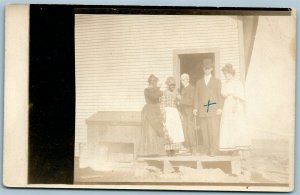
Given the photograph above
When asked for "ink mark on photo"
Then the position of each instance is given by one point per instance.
(209, 104)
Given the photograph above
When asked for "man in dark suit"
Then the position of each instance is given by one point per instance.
(207, 106)
(186, 108)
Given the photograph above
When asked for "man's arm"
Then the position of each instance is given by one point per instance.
(196, 99)
(191, 96)
(188, 97)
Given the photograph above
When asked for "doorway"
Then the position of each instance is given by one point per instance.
(189, 61)
(191, 64)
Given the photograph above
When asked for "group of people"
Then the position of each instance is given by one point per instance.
(173, 121)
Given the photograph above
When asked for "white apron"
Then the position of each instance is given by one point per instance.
(174, 125)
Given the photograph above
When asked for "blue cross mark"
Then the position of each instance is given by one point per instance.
(209, 104)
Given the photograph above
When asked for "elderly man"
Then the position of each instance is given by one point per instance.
(207, 106)
(186, 107)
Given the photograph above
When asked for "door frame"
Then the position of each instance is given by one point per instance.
(176, 60)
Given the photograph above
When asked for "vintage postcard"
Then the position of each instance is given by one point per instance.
(171, 100)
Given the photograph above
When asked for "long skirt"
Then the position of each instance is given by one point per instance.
(234, 133)
(152, 132)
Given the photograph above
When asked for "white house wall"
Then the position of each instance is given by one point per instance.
(116, 53)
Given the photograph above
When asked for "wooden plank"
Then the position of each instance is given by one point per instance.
(188, 158)
(169, 163)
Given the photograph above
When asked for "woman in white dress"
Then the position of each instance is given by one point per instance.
(173, 125)
(234, 135)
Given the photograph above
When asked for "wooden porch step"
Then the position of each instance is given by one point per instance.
(229, 164)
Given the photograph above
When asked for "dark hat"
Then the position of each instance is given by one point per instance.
(207, 63)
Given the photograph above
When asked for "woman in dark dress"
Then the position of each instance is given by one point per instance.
(152, 135)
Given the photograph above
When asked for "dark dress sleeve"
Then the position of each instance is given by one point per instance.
(152, 95)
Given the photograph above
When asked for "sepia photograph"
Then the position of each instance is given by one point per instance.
(150, 98)
(194, 100)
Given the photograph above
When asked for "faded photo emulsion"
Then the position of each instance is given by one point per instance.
(184, 100)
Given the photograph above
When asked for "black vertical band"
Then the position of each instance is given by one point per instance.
(51, 94)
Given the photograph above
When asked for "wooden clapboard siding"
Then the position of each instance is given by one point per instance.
(116, 53)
